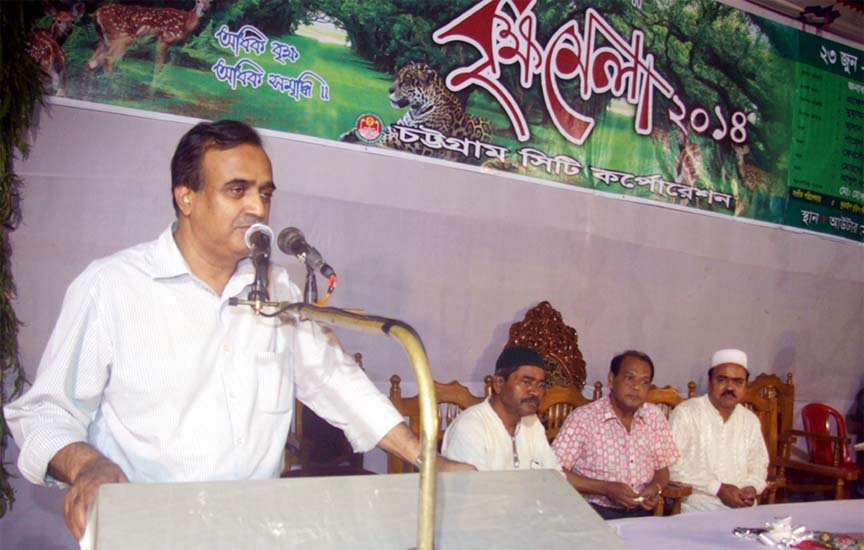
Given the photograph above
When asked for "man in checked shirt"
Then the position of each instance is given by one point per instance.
(617, 450)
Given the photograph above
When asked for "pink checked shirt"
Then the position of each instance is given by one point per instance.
(595, 444)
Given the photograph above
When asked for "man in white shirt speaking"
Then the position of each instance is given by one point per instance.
(723, 454)
(151, 376)
(503, 432)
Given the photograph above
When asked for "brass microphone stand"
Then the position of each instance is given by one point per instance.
(410, 341)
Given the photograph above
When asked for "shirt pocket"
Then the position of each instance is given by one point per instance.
(275, 382)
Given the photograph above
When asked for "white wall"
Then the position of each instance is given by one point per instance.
(458, 254)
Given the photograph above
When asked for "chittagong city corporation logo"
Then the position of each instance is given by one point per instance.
(369, 128)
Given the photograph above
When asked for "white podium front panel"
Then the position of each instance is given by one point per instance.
(477, 510)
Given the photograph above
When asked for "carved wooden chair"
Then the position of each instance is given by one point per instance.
(667, 398)
(785, 392)
(543, 330)
(315, 448)
(452, 398)
(557, 404)
(762, 401)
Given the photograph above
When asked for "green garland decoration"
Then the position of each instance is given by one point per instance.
(20, 90)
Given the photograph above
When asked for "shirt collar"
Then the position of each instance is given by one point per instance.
(168, 262)
(500, 421)
(609, 412)
(735, 410)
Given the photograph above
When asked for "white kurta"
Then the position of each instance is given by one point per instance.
(159, 373)
(478, 437)
(715, 452)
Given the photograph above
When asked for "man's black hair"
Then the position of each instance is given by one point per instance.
(615, 366)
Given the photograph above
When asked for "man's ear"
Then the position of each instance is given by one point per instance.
(497, 383)
(184, 197)
(611, 378)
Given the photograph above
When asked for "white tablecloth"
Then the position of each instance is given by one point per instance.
(477, 510)
(713, 530)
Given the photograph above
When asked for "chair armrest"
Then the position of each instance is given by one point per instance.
(809, 467)
(787, 439)
(676, 489)
(293, 445)
(794, 434)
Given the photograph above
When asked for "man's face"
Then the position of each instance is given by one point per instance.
(237, 185)
(630, 387)
(726, 386)
(522, 391)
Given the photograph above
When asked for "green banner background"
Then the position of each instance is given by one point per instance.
(798, 97)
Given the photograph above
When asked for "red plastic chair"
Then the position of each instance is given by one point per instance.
(817, 419)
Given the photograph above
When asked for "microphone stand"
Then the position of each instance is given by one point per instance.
(310, 289)
(410, 341)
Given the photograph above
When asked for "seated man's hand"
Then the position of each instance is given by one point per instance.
(443, 464)
(731, 496)
(621, 494)
(748, 495)
(650, 495)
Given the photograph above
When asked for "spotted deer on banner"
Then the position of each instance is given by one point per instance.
(119, 26)
(45, 46)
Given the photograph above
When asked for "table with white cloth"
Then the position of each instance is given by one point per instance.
(713, 530)
(474, 510)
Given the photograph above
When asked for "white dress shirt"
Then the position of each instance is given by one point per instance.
(715, 452)
(156, 371)
(478, 437)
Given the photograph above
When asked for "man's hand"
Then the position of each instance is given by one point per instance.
(402, 442)
(446, 465)
(748, 495)
(84, 469)
(621, 494)
(731, 496)
(650, 495)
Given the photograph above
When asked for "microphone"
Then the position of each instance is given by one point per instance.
(292, 242)
(258, 238)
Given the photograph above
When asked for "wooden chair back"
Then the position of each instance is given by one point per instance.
(543, 329)
(763, 403)
(765, 408)
(452, 398)
(785, 391)
(667, 397)
(558, 402)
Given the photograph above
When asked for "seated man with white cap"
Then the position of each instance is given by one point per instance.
(723, 454)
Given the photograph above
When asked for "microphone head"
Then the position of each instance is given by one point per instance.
(255, 234)
(292, 241)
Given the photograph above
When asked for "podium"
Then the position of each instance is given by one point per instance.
(474, 510)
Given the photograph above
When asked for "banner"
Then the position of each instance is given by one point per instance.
(684, 102)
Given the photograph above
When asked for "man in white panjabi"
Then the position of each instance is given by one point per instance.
(723, 454)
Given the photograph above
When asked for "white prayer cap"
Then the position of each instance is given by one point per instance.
(735, 356)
